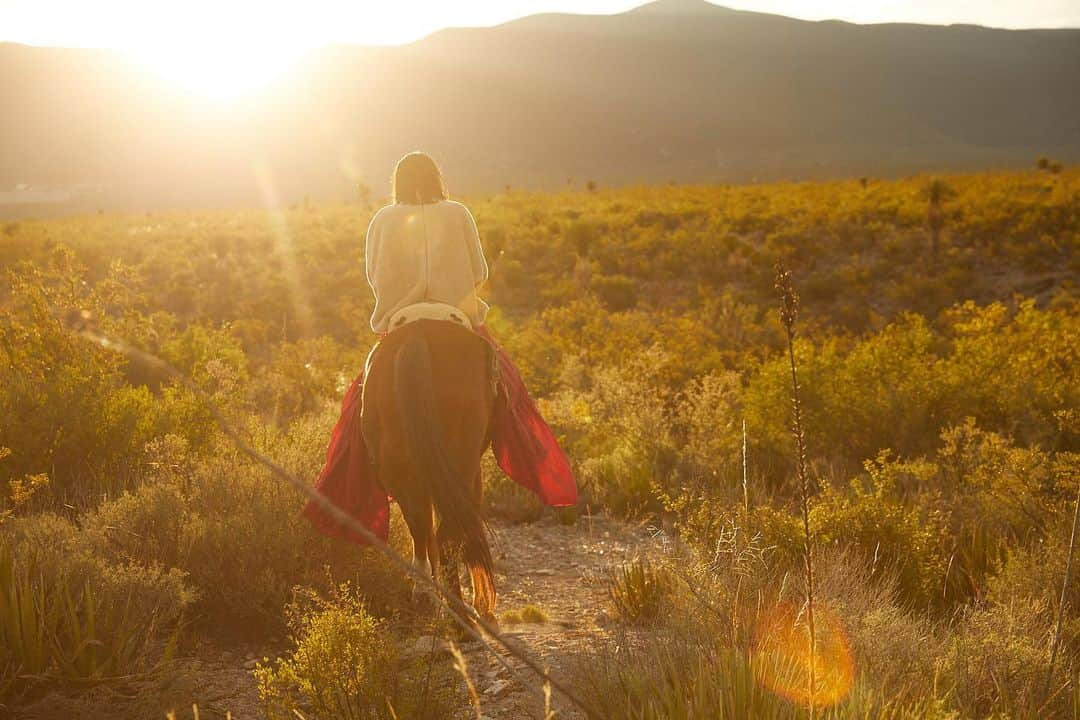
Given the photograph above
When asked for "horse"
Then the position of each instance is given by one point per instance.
(428, 402)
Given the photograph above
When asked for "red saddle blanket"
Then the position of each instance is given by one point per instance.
(524, 447)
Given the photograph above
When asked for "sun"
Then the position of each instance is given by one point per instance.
(220, 66)
(226, 50)
(220, 71)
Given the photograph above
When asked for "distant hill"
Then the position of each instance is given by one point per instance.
(676, 90)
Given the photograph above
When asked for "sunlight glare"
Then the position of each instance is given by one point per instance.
(220, 71)
(781, 657)
(221, 50)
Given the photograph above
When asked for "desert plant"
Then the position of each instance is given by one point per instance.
(66, 614)
(637, 591)
(345, 664)
(533, 614)
(936, 192)
(789, 311)
(20, 490)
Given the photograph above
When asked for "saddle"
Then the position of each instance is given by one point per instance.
(429, 311)
(446, 313)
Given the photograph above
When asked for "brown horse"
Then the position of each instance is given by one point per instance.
(428, 400)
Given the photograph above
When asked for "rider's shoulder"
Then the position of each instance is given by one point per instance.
(381, 215)
(457, 207)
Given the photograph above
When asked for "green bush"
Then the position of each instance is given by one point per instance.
(884, 530)
(67, 614)
(997, 662)
(504, 498)
(237, 533)
(343, 666)
(616, 292)
(618, 431)
(346, 665)
(637, 592)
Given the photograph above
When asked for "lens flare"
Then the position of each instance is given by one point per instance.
(279, 226)
(780, 656)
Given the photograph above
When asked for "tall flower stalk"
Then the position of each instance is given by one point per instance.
(789, 313)
(1055, 647)
(745, 482)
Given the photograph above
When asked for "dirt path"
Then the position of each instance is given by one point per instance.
(560, 569)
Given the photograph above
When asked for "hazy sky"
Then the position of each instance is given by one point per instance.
(135, 24)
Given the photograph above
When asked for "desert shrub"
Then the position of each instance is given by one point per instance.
(345, 664)
(856, 400)
(993, 482)
(527, 614)
(886, 531)
(997, 661)
(236, 531)
(140, 526)
(618, 430)
(895, 648)
(533, 614)
(729, 644)
(616, 292)
(300, 377)
(899, 388)
(992, 374)
(504, 498)
(342, 667)
(54, 389)
(675, 680)
(66, 403)
(1035, 571)
(65, 613)
(638, 591)
(19, 490)
(708, 417)
(994, 495)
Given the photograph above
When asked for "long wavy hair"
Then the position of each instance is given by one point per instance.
(418, 180)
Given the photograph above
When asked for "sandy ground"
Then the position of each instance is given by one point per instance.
(559, 569)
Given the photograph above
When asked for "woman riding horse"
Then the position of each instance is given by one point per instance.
(439, 390)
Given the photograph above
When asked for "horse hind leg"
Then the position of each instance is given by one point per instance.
(434, 556)
(424, 564)
(473, 550)
(478, 557)
(419, 519)
(448, 549)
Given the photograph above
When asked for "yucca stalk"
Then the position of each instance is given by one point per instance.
(745, 483)
(1064, 595)
(789, 313)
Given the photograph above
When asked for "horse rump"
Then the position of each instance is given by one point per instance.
(428, 451)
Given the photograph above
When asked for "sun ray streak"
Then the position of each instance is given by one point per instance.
(279, 227)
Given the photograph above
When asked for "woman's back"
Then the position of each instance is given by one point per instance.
(424, 253)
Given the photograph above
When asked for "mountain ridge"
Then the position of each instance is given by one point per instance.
(677, 91)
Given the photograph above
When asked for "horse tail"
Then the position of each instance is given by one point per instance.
(459, 515)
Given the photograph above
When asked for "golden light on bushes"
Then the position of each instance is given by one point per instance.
(780, 656)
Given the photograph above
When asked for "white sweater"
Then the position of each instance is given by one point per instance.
(424, 253)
